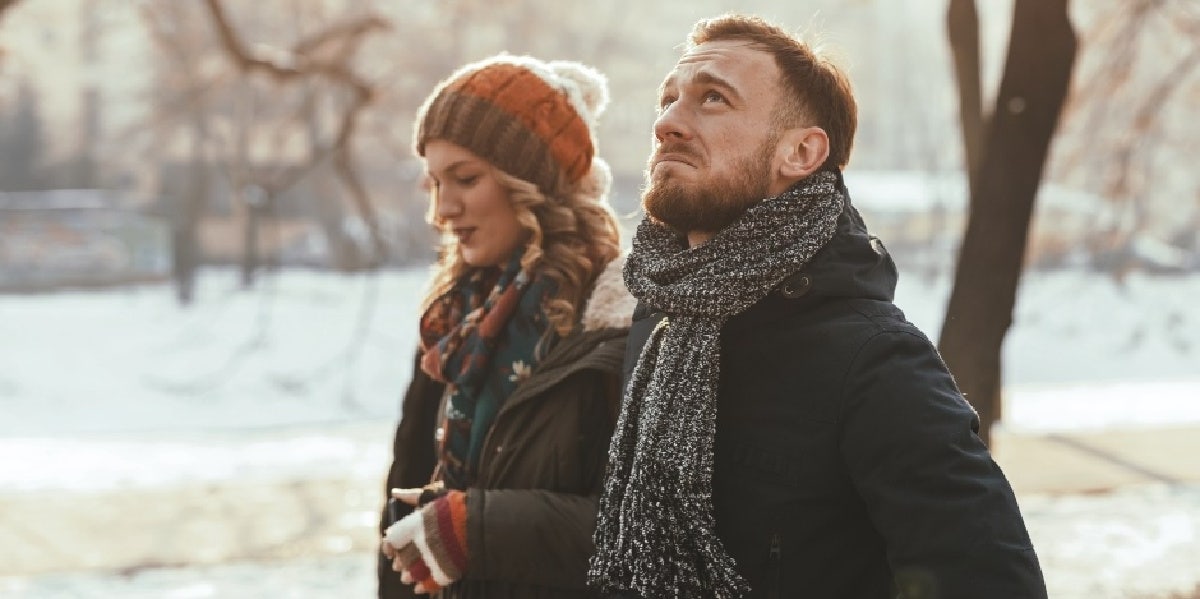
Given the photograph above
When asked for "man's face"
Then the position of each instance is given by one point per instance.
(715, 137)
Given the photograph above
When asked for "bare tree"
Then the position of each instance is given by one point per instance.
(962, 26)
(1033, 88)
(4, 6)
(182, 105)
(1130, 123)
(323, 58)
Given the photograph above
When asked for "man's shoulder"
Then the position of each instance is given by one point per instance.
(846, 316)
(885, 316)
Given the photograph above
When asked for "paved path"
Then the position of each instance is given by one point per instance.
(1113, 514)
(1095, 462)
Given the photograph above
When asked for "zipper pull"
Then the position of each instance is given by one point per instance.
(775, 557)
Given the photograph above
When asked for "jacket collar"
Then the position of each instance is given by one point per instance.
(598, 344)
(853, 265)
(611, 305)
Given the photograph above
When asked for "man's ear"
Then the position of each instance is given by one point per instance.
(803, 151)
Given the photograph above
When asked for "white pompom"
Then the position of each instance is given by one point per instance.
(597, 181)
(586, 86)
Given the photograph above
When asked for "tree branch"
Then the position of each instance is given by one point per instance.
(326, 54)
(301, 62)
(962, 25)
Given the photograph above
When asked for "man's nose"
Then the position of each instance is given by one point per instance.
(672, 124)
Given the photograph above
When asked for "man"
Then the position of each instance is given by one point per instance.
(785, 431)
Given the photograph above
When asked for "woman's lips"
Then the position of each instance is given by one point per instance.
(463, 234)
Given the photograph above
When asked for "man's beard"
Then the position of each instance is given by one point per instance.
(711, 205)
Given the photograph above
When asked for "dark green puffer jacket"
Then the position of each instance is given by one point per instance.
(533, 508)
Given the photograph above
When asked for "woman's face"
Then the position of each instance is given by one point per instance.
(471, 204)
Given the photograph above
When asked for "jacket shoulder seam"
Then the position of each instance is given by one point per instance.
(883, 331)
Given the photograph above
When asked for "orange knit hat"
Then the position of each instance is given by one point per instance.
(532, 119)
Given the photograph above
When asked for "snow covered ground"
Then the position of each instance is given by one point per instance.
(108, 393)
(1137, 543)
(313, 348)
(321, 577)
(304, 348)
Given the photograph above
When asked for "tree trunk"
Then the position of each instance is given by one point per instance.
(5, 5)
(186, 221)
(256, 202)
(91, 99)
(962, 27)
(250, 259)
(1037, 73)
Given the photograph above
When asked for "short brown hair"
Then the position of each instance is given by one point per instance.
(814, 87)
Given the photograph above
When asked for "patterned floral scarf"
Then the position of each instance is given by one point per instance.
(481, 338)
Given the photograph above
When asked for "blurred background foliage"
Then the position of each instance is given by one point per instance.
(277, 132)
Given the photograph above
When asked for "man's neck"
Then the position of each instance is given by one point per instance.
(698, 238)
(777, 187)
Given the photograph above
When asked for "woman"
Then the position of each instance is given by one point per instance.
(505, 426)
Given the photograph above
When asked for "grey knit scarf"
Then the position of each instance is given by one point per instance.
(656, 532)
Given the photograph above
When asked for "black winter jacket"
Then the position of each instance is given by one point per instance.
(847, 462)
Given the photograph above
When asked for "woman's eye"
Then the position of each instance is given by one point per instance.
(468, 181)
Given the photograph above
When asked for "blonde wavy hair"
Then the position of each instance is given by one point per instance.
(571, 238)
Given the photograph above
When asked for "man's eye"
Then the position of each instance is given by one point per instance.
(665, 102)
(714, 96)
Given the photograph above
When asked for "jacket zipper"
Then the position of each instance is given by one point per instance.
(775, 567)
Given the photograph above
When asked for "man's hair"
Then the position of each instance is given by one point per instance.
(814, 89)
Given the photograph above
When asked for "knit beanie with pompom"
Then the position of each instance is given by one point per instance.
(534, 120)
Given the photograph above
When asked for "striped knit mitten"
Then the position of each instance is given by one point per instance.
(431, 543)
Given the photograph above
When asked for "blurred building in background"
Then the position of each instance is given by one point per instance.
(143, 99)
(78, 237)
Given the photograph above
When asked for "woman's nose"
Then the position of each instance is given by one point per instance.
(448, 205)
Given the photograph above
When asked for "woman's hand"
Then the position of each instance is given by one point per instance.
(429, 546)
(401, 565)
